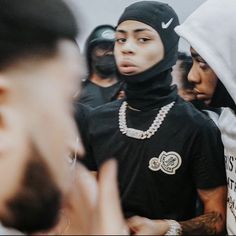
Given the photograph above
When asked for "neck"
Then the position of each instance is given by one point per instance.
(103, 82)
(150, 90)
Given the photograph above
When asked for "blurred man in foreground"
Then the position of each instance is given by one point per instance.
(38, 73)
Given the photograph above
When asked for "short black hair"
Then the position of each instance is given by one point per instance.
(33, 27)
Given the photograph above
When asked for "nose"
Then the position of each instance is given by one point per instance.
(193, 75)
(128, 47)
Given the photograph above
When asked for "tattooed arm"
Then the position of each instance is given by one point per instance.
(213, 219)
(211, 222)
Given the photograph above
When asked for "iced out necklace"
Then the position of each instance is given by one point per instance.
(139, 134)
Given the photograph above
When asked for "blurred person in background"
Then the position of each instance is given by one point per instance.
(180, 76)
(102, 84)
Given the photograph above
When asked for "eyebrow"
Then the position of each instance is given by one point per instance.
(135, 31)
(194, 54)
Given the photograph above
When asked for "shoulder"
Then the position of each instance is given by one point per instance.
(86, 84)
(81, 111)
(188, 114)
(110, 107)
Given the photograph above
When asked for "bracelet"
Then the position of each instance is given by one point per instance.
(174, 228)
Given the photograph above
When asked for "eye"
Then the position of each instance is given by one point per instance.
(121, 40)
(203, 65)
(143, 40)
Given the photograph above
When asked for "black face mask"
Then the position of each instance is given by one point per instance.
(104, 66)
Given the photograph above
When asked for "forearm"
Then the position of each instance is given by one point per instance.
(207, 224)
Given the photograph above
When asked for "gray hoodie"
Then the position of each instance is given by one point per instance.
(211, 31)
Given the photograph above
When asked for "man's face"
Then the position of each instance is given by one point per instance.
(102, 60)
(37, 130)
(103, 49)
(203, 78)
(138, 47)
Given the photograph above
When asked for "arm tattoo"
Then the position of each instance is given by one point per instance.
(203, 225)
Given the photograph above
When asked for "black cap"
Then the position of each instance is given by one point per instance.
(102, 34)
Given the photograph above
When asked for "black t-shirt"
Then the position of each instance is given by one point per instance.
(95, 95)
(81, 114)
(187, 145)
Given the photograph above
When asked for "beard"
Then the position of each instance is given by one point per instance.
(36, 204)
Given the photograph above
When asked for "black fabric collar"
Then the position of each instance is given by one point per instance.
(150, 90)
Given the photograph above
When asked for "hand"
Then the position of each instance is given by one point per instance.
(108, 217)
(144, 226)
(92, 207)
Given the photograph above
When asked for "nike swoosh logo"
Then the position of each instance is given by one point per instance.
(166, 25)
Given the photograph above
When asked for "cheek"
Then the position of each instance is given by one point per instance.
(9, 185)
(153, 55)
(211, 85)
(11, 169)
(117, 54)
(13, 150)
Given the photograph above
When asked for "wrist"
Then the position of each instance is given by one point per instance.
(174, 228)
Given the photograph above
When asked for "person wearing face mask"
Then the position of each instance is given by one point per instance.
(167, 151)
(102, 85)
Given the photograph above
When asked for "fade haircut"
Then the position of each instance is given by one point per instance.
(32, 28)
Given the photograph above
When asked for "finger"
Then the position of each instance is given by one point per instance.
(112, 221)
(76, 147)
(135, 223)
(87, 184)
(135, 220)
(80, 203)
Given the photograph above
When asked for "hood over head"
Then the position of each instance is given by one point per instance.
(211, 31)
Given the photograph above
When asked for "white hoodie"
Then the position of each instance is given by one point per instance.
(211, 31)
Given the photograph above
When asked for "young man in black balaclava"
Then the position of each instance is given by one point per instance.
(168, 152)
(102, 85)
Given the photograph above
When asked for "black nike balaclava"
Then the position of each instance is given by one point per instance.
(152, 88)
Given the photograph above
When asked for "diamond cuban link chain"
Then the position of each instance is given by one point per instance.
(139, 134)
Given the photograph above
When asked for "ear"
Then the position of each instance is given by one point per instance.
(4, 88)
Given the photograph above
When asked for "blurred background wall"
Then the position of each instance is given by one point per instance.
(95, 12)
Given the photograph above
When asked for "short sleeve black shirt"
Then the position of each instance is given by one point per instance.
(187, 146)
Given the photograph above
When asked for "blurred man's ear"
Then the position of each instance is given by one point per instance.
(4, 93)
(4, 89)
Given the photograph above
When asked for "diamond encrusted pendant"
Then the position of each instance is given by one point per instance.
(139, 134)
(134, 133)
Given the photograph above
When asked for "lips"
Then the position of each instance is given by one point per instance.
(199, 95)
(196, 91)
(127, 67)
